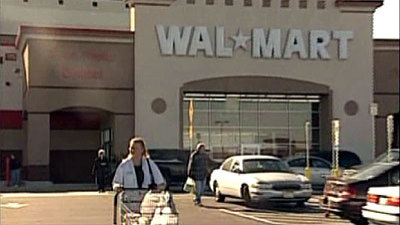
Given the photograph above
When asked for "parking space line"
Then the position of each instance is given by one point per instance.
(249, 217)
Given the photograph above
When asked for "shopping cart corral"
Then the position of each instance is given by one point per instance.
(144, 207)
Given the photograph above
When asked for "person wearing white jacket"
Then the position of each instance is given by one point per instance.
(133, 172)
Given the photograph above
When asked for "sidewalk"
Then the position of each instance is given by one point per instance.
(46, 186)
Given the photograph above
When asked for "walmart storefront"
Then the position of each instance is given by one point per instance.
(255, 72)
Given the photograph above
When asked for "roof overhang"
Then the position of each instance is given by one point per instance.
(72, 34)
(150, 2)
(358, 6)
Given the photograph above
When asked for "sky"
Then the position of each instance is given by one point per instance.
(386, 20)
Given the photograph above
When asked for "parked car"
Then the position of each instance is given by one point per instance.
(382, 205)
(173, 164)
(320, 169)
(346, 196)
(256, 178)
(347, 159)
(392, 156)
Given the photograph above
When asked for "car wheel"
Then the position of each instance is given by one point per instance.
(218, 196)
(361, 221)
(246, 195)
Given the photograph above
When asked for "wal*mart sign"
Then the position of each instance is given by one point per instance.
(265, 43)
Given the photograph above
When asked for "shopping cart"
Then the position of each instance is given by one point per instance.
(141, 207)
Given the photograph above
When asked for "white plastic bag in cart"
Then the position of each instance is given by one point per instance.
(164, 216)
(154, 200)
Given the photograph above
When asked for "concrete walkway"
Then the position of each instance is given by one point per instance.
(45, 186)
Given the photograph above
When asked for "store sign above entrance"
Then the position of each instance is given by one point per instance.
(265, 43)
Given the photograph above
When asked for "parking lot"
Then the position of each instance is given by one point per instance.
(84, 208)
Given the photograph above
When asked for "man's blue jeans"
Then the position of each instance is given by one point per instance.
(16, 177)
(200, 186)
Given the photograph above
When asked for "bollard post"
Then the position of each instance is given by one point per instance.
(335, 147)
(307, 170)
(389, 131)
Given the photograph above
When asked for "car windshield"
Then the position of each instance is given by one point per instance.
(393, 156)
(264, 165)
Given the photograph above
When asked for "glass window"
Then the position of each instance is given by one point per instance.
(227, 165)
(320, 164)
(249, 122)
(264, 165)
(297, 163)
(275, 122)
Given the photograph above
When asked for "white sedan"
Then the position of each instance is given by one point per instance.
(382, 205)
(259, 178)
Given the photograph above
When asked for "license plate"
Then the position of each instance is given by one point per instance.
(382, 201)
(288, 194)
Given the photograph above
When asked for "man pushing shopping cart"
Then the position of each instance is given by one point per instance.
(141, 197)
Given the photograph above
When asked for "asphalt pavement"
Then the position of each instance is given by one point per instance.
(92, 208)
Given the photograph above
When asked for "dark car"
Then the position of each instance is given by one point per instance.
(346, 196)
(173, 164)
(347, 159)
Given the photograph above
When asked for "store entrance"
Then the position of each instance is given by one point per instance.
(225, 122)
(76, 135)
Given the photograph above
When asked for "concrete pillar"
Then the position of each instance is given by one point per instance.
(123, 132)
(37, 154)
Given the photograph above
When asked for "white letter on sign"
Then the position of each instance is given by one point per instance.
(221, 50)
(343, 36)
(173, 39)
(319, 40)
(270, 49)
(295, 43)
(200, 41)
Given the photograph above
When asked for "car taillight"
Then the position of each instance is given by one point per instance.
(393, 201)
(348, 192)
(373, 198)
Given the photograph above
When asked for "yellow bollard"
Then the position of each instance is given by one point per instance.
(308, 172)
(337, 172)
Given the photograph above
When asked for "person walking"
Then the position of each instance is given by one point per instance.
(15, 167)
(134, 171)
(198, 170)
(100, 169)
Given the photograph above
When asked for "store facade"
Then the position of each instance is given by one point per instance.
(255, 72)
(78, 97)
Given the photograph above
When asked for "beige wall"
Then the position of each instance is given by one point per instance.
(86, 74)
(10, 71)
(47, 100)
(80, 64)
(349, 79)
(108, 14)
(123, 132)
(38, 140)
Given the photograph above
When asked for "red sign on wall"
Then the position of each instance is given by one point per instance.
(11, 56)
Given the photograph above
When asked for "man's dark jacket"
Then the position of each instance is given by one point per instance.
(198, 166)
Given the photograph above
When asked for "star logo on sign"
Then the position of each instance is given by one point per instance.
(240, 40)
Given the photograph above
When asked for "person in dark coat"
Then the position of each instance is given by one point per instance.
(198, 170)
(15, 167)
(100, 170)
